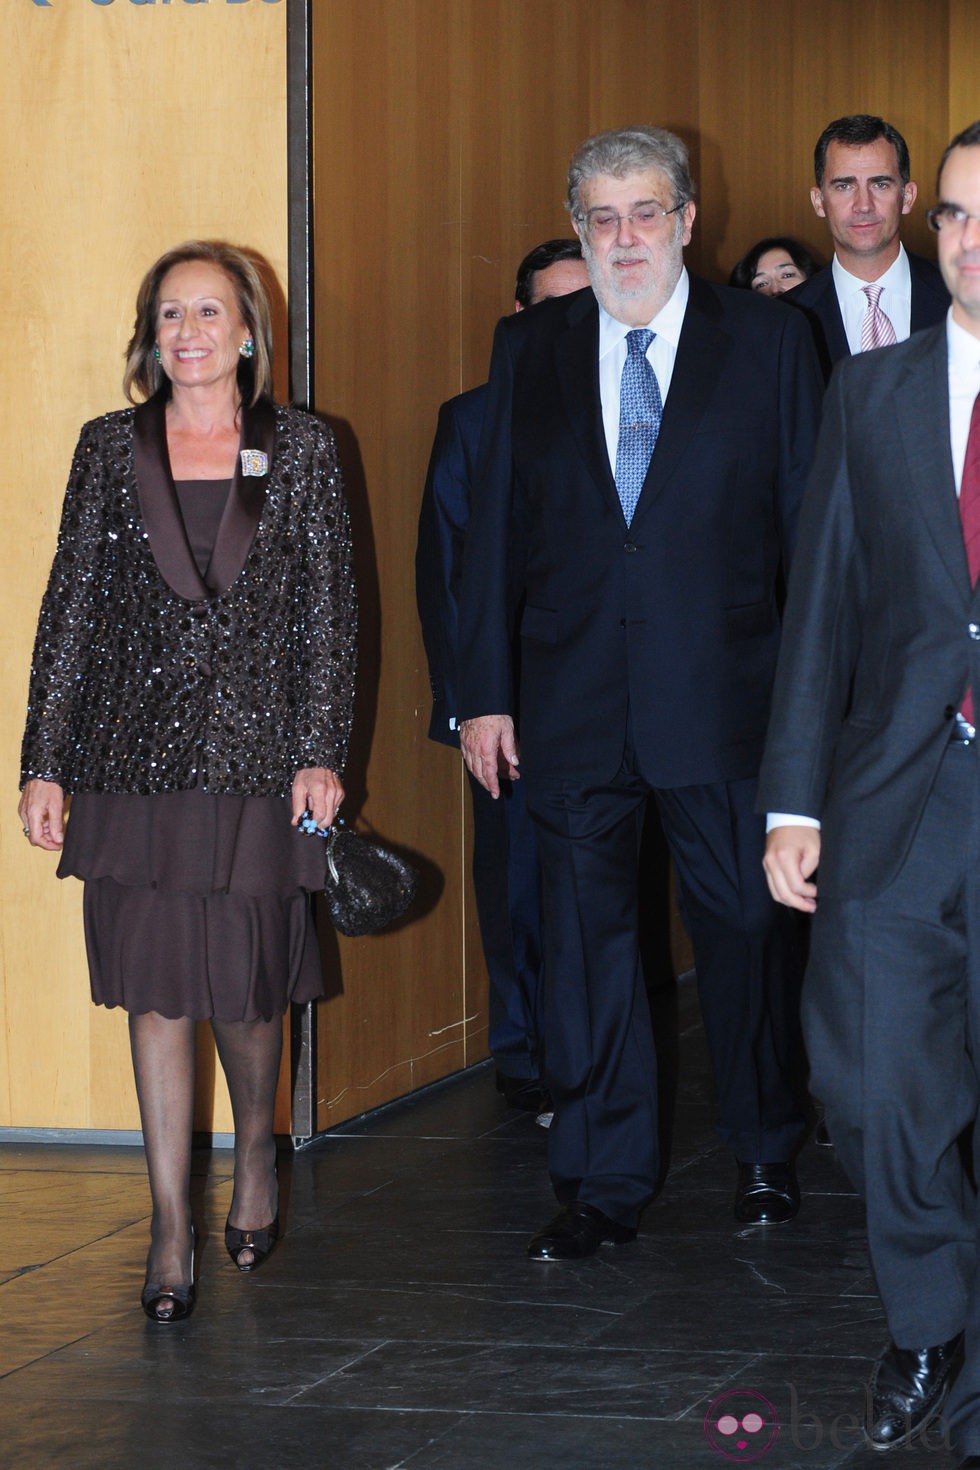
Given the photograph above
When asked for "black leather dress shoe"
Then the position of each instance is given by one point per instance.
(907, 1391)
(766, 1194)
(527, 1093)
(577, 1230)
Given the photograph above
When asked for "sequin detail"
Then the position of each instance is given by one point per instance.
(136, 689)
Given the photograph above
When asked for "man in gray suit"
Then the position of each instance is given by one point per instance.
(871, 769)
(874, 291)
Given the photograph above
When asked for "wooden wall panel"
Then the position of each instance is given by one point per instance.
(964, 60)
(446, 128)
(464, 116)
(442, 134)
(126, 129)
(387, 192)
(772, 77)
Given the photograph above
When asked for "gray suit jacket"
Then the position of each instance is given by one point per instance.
(882, 628)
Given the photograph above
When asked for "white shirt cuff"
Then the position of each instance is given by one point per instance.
(787, 819)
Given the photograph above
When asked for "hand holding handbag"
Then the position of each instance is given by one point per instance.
(367, 886)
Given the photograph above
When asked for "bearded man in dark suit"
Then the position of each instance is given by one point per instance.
(871, 771)
(644, 452)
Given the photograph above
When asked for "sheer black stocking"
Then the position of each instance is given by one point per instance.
(163, 1064)
(250, 1053)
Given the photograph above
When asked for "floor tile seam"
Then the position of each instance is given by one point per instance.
(467, 1346)
(449, 1138)
(641, 1296)
(482, 1413)
(35, 1269)
(366, 1351)
(52, 1352)
(456, 1291)
(433, 1442)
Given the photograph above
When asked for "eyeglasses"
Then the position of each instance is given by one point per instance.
(948, 217)
(604, 223)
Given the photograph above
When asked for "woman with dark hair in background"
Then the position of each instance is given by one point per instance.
(191, 692)
(774, 265)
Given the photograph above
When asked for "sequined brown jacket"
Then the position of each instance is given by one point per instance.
(148, 677)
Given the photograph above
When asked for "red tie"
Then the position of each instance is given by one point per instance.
(970, 517)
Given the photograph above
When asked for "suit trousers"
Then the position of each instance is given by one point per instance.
(891, 1012)
(507, 885)
(600, 1060)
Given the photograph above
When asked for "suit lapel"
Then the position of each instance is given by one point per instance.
(701, 352)
(577, 368)
(700, 355)
(245, 499)
(161, 511)
(922, 414)
(828, 310)
(158, 501)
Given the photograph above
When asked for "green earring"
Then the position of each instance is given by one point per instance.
(247, 348)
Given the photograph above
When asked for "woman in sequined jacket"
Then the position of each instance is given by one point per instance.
(191, 691)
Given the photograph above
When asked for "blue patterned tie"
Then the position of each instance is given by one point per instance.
(640, 411)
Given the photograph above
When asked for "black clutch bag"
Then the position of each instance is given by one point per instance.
(367, 886)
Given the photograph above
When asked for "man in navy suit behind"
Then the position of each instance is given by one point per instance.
(647, 595)
(506, 871)
(863, 188)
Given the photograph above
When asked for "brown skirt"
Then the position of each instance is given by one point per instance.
(196, 905)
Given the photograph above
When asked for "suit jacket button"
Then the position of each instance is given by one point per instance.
(630, 546)
(974, 631)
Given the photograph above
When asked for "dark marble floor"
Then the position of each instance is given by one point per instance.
(400, 1323)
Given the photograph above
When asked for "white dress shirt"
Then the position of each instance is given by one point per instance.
(660, 355)
(895, 299)
(963, 366)
(964, 385)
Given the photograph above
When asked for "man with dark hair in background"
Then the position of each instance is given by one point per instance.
(873, 292)
(506, 872)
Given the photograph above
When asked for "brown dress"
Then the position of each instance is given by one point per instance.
(196, 904)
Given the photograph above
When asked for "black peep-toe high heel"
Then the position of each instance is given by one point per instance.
(259, 1242)
(166, 1304)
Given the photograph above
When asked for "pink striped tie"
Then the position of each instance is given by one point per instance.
(876, 329)
(970, 518)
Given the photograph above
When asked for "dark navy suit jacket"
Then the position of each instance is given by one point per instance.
(667, 630)
(443, 520)
(818, 298)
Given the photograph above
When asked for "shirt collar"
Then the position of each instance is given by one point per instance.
(963, 349)
(897, 278)
(667, 323)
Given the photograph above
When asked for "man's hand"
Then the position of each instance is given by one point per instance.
(489, 749)
(792, 855)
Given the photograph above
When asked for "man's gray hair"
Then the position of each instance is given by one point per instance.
(622, 151)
